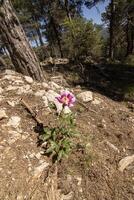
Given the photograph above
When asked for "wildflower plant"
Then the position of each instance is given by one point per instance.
(58, 137)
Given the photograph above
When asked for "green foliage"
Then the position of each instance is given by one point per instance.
(81, 38)
(58, 137)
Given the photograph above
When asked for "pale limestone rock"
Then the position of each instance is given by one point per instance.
(13, 136)
(97, 101)
(40, 93)
(10, 88)
(54, 86)
(18, 82)
(112, 146)
(13, 103)
(45, 85)
(14, 121)
(28, 79)
(38, 155)
(51, 95)
(85, 96)
(38, 170)
(125, 162)
(24, 89)
(45, 100)
(12, 78)
(3, 114)
(9, 72)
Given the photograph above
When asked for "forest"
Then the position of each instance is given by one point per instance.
(66, 100)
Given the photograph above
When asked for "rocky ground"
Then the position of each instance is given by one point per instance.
(100, 166)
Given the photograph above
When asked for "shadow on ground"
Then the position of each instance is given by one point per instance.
(115, 81)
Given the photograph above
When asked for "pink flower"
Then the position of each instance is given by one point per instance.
(66, 98)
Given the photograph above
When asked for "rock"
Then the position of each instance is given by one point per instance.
(18, 82)
(24, 89)
(3, 114)
(13, 136)
(85, 96)
(125, 162)
(54, 86)
(96, 101)
(1, 90)
(50, 94)
(9, 72)
(28, 79)
(45, 85)
(112, 146)
(40, 93)
(38, 156)
(13, 103)
(11, 77)
(14, 121)
(10, 88)
(45, 100)
(38, 170)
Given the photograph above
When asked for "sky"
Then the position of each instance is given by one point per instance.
(95, 12)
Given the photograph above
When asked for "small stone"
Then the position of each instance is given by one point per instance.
(85, 96)
(9, 72)
(125, 162)
(10, 88)
(40, 93)
(20, 197)
(12, 103)
(112, 146)
(45, 85)
(24, 89)
(50, 94)
(96, 101)
(38, 170)
(14, 121)
(13, 136)
(32, 155)
(28, 79)
(18, 82)
(45, 100)
(54, 86)
(38, 155)
(3, 114)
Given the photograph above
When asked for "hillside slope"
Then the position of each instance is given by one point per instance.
(91, 172)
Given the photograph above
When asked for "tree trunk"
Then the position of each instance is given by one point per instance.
(13, 35)
(40, 36)
(111, 31)
(130, 37)
(2, 62)
(52, 22)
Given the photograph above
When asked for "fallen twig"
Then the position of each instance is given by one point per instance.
(33, 114)
(87, 108)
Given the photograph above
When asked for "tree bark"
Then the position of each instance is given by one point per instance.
(52, 22)
(130, 37)
(13, 35)
(111, 31)
(2, 62)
